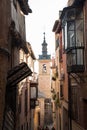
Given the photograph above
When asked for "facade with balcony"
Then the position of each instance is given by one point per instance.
(60, 86)
(73, 21)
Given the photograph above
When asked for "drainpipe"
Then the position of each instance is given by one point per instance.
(70, 103)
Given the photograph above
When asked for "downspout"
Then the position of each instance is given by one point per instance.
(69, 103)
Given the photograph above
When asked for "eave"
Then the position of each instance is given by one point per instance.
(78, 2)
(75, 4)
(24, 6)
(58, 29)
(55, 25)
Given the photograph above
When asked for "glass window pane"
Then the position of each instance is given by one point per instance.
(71, 34)
(66, 36)
(71, 26)
(33, 92)
(80, 57)
(44, 69)
(79, 32)
(71, 39)
(71, 58)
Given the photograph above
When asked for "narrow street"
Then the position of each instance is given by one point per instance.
(43, 65)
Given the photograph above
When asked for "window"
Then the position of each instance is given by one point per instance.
(44, 69)
(33, 92)
(72, 24)
(73, 33)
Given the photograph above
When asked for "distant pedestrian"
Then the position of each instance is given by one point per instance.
(46, 128)
(39, 128)
(53, 128)
(43, 128)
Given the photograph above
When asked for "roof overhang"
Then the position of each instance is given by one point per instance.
(76, 4)
(18, 73)
(24, 6)
(55, 25)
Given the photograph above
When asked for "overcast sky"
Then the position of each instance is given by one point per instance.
(44, 13)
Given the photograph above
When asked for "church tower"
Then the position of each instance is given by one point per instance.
(44, 85)
(44, 50)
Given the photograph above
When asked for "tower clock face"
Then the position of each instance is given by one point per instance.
(44, 69)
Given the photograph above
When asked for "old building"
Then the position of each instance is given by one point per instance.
(44, 86)
(73, 27)
(62, 80)
(12, 39)
(24, 113)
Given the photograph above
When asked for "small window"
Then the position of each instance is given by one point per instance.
(44, 69)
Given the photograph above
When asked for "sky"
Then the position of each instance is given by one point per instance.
(43, 16)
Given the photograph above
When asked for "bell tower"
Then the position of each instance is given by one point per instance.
(44, 46)
(44, 85)
(44, 50)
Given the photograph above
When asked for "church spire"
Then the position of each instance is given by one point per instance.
(44, 46)
(44, 49)
(44, 37)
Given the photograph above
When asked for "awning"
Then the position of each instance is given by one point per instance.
(18, 73)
